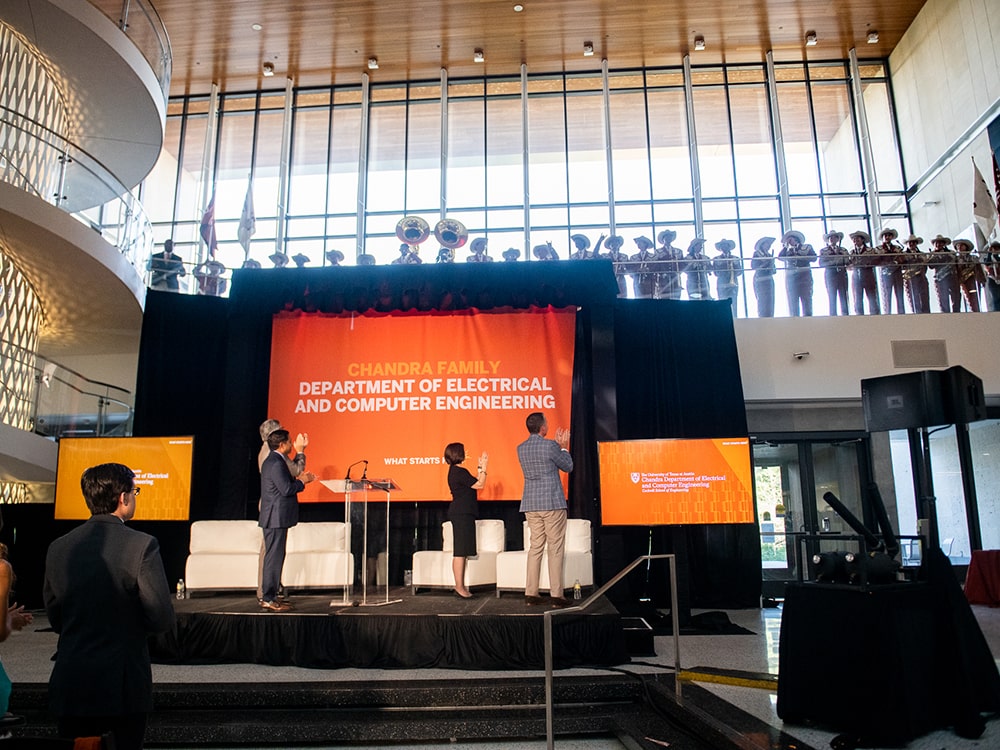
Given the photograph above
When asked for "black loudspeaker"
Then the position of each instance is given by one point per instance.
(965, 395)
(922, 399)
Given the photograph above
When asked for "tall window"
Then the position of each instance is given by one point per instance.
(562, 156)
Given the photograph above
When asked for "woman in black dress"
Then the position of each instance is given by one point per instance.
(463, 511)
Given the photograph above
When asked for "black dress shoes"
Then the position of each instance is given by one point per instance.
(558, 601)
(533, 600)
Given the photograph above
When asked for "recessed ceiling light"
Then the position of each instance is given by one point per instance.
(372, 63)
(588, 49)
(699, 43)
(518, 8)
(256, 27)
(478, 56)
(811, 39)
(873, 37)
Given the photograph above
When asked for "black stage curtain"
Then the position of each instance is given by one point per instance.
(179, 386)
(203, 370)
(407, 638)
(678, 376)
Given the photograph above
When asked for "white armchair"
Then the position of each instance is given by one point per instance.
(225, 555)
(432, 568)
(578, 560)
(317, 557)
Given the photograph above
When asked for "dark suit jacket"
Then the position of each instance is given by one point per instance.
(105, 591)
(279, 502)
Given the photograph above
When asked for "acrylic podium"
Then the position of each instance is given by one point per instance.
(367, 523)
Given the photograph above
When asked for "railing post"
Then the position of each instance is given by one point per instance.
(101, 411)
(64, 159)
(547, 634)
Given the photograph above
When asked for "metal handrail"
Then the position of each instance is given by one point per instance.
(674, 617)
(105, 394)
(144, 27)
(126, 227)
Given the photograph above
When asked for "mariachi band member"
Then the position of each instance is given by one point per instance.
(833, 259)
(619, 259)
(582, 244)
(798, 275)
(863, 282)
(762, 264)
(727, 269)
(969, 272)
(915, 282)
(991, 268)
(696, 267)
(408, 255)
(479, 248)
(545, 252)
(667, 284)
(642, 269)
(890, 270)
(942, 260)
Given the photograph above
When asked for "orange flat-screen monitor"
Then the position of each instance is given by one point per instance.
(669, 482)
(162, 467)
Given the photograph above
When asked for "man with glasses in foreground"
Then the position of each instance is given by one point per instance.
(105, 592)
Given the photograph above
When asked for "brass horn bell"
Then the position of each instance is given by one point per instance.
(451, 233)
(412, 230)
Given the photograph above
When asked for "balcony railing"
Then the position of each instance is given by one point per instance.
(141, 23)
(673, 280)
(61, 402)
(39, 161)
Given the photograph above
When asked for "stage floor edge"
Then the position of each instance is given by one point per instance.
(432, 629)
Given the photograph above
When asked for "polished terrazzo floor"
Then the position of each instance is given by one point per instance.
(27, 657)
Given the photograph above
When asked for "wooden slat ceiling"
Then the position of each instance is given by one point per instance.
(323, 42)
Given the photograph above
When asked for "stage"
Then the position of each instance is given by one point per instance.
(427, 630)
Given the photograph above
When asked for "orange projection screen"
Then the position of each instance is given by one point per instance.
(665, 482)
(395, 389)
(162, 467)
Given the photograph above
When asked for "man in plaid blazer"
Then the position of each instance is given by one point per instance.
(543, 503)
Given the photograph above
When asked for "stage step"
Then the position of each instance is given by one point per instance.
(390, 711)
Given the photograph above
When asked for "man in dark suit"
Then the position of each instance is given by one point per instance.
(166, 268)
(105, 591)
(279, 511)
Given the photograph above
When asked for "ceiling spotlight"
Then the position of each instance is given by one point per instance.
(873, 37)
(811, 39)
(588, 49)
(478, 56)
(372, 63)
(256, 27)
(699, 43)
(518, 8)
(268, 69)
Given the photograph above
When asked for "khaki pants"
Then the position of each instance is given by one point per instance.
(548, 529)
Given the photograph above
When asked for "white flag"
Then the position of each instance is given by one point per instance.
(248, 222)
(984, 210)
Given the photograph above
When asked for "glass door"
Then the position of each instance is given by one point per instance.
(791, 476)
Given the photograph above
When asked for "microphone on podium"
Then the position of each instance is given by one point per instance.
(364, 474)
(362, 461)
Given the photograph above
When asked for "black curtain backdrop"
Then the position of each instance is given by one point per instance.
(644, 369)
(678, 376)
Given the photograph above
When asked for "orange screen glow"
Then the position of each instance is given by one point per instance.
(661, 482)
(395, 389)
(162, 467)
